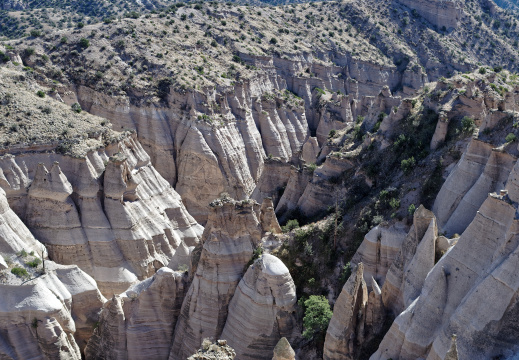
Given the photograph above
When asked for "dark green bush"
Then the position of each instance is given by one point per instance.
(20, 272)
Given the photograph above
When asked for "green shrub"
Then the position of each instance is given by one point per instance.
(63, 40)
(411, 209)
(29, 51)
(84, 43)
(34, 263)
(290, 225)
(273, 41)
(40, 93)
(345, 274)
(35, 33)
(76, 107)
(332, 133)
(20, 272)
(407, 165)
(22, 253)
(311, 166)
(394, 203)
(132, 15)
(317, 316)
(3, 57)
(467, 124)
(510, 137)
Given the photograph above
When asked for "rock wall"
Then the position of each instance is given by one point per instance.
(50, 313)
(481, 170)
(262, 310)
(139, 323)
(356, 319)
(110, 213)
(459, 294)
(440, 13)
(232, 232)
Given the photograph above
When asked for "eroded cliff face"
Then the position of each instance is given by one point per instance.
(262, 310)
(48, 313)
(230, 237)
(457, 296)
(110, 213)
(139, 323)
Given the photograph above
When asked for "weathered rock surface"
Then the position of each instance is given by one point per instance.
(378, 250)
(283, 350)
(480, 171)
(139, 323)
(262, 310)
(440, 13)
(218, 351)
(232, 232)
(410, 267)
(110, 213)
(471, 292)
(356, 318)
(52, 315)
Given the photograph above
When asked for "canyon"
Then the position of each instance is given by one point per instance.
(176, 192)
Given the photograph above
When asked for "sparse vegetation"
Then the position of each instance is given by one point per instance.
(20, 272)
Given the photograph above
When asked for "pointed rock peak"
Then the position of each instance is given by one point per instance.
(421, 221)
(283, 350)
(268, 219)
(41, 172)
(182, 250)
(452, 354)
(375, 287)
(50, 185)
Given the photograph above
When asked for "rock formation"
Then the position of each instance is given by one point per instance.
(262, 310)
(440, 13)
(378, 250)
(480, 171)
(457, 296)
(410, 267)
(110, 213)
(217, 351)
(283, 350)
(139, 323)
(49, 313)
(232, 232)
(356, 319)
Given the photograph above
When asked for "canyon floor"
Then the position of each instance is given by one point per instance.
(209, 180)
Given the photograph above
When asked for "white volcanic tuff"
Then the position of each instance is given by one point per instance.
(283, 350)
(14, 235)
(410, 266)
(65, 303)
(262, 309)
(356, 319)
(299, 179)
(231, 234)
(118, 229)
(276, 174)
(139, 323)
(380, 247)
(230, 151)
(481, 170)
(438, 12)
(248, 122)
(470, 292)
